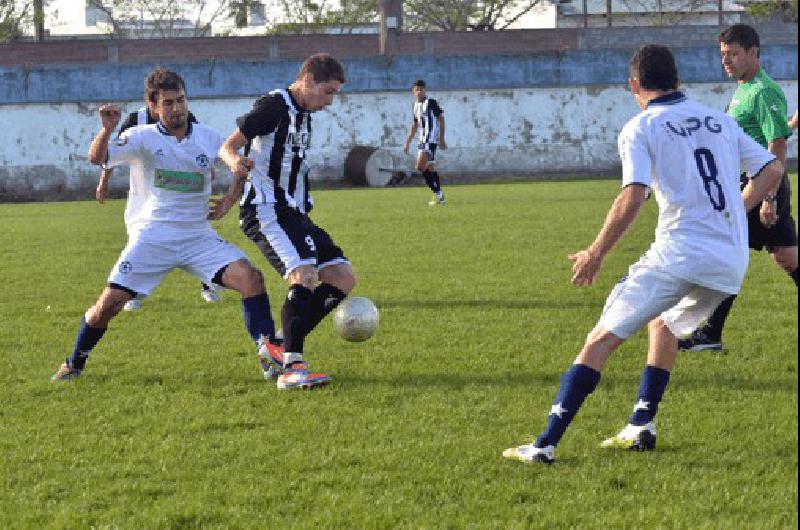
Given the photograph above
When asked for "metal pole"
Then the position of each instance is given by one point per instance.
(38, 20)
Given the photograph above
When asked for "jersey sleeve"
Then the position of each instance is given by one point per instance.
(435, 108)
(131, 121)
(635, 155)
(752, 155)
(770, 111)
(262, 119)
(126, 148)
(414, 112)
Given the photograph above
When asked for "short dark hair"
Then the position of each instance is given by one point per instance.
(323, 67)
(741, 34)
(419, 83)
(161, 79)
(654, 67)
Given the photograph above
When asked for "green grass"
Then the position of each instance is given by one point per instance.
(171, 425)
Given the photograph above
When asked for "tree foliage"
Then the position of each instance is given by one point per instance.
(459, 15)
(302, 16)
(14, 16)
(164, 18)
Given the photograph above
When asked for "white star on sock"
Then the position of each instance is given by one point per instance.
(641, 405)
(557, 409)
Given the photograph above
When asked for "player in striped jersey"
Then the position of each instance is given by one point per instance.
(147, 115)
(276, 134)
(428, 117)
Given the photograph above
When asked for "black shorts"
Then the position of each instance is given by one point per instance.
(428, 148)
(784, 233)
(288, 238)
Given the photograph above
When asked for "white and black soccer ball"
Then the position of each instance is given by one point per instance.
(356, 319)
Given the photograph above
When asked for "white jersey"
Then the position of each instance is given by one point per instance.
(690, 156)
(171, 179)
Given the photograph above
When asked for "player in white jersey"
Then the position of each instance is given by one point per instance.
(689, 156)
(170, 164)
(145, 116)
(428, 118)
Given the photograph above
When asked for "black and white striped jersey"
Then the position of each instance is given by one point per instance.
(143, 117)
(425, 114)
(279, 133)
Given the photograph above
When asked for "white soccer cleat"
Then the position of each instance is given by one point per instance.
(634, 438)
(210, 295)
(134, 304)
(529, 453)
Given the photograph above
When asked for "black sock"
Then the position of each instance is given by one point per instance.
(793, 274)
(428, 176)
(717, 319)
(437, 186)
(324, 300)
(294, 317)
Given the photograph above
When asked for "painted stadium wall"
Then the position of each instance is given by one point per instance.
(507, 115)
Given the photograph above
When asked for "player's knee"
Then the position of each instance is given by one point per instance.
(786, 258)
(306, 276)
(341, 276)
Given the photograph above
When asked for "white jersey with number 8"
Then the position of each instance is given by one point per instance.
(691, 157)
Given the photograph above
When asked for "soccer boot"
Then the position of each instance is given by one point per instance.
(270, 357)
(530, 453)
(700, 340)
(134, 304)
(634, 438)
(210, 295)
(66, 373)
(436, 201)
(297, 375)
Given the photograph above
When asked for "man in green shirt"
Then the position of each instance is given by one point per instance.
(759, 107)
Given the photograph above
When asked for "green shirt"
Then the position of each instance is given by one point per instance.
(759, 107)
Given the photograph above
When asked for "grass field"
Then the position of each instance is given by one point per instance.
(172, 426)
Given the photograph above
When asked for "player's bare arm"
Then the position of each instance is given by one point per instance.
(411, 132)
(229, 153)
(762, 184)
(442, 143)
(101, 192)
(769, 206)
(109, 118)
(793, 121)
(587, 263)
(240, 167)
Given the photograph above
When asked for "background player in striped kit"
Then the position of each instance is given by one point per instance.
(147, 115)
(276, 135)
(428, 117)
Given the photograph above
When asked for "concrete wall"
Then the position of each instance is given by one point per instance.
(517, 131)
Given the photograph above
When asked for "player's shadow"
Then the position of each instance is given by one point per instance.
(451, 381)
(530, 303)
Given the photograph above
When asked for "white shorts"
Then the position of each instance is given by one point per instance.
(648, 292)
(154, 252)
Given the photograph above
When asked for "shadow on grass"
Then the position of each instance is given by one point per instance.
(451, 381)
(492, 304)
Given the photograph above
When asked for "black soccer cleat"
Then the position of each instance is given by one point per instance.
(700, 340)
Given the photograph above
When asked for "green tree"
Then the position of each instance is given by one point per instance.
(459, 15)
(162, 18)
(306, 16)
(774, 9)
(14, 17)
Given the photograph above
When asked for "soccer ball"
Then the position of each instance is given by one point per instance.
(356, 319)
